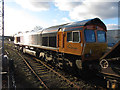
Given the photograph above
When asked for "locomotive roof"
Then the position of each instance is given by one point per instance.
(70, 26)
(95, 21)
(53, 29)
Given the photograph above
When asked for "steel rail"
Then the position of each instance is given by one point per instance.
(33, 71)
(71, 83)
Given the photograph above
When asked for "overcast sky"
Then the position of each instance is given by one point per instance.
(24, 15)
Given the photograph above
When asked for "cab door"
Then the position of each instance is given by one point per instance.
(73, 42)
(61, 41)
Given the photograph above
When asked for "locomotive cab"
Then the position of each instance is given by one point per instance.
(95, 43)
(86, 41)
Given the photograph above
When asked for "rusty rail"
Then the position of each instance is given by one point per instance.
(33, 72)
(71, 83)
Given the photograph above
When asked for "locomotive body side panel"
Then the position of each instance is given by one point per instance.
(34, 39)
(39, 39)
(49, 40)
(27, 39)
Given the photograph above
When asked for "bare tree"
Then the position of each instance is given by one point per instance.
(37, 28)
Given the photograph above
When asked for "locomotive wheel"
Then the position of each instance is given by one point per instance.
(67, 67)
(37, 54)
(48, 57)
(79, 64)
(23, 50)
(81, 71)
(59, 64)
(42, 56)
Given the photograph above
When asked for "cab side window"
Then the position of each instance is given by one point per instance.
(101, 36)
(73, 36)
(76, 36)
(69, 36)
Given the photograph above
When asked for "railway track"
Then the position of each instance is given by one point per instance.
(48, 77)
(44, 76)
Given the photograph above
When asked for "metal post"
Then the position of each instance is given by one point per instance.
(0, 45)
(2, 30)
